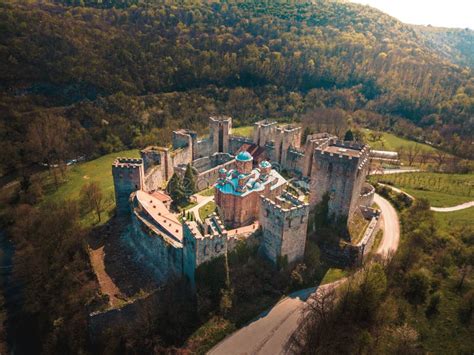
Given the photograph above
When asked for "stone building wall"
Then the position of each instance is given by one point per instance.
(128, 176)
(238, 210)
(284, 223)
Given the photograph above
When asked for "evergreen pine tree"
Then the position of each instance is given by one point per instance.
(349, 136)
(189, 182)
(175, 190)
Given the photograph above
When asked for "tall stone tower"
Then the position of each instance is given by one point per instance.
(128, 177)
(339, 169)
(220, 129)
(286, 137)
(263, 132)
(284, 222)
(202, 243)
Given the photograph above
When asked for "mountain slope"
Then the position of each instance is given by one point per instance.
(455, 44)
(288, 58)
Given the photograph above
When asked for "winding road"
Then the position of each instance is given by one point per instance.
(462, 206)
(270, 332)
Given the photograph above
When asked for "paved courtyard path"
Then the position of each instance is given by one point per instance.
(270, 332)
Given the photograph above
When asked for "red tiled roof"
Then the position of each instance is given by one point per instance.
(161, 196)
(257, 152)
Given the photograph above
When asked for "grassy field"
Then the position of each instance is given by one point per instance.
(99, 170)
(332, 275)
(390, 141)
(447, 221)
(206, 210)
(209, 334)
(207, 192)
(244, 131)
(442, 190)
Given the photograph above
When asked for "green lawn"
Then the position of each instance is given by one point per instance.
(332, 275)
(207, 192)
(357, 226)
(99, 170)
(442, 190)
(390, 141)
(244, 131)
(209, 334)
(447, 221)
(206, 210)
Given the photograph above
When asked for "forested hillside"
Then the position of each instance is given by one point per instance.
(454, 43)
(114, 77)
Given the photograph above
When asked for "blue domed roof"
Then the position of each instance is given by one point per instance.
(244, 156)
(265, 164)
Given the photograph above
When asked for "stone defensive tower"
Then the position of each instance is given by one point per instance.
(284, 222)
(263, 132)
(185, 138)
(128, 175)
(286, 137)
(201, 243)
(339, 169)
(220, 128)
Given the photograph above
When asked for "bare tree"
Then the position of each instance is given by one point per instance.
(326, 120)
(425, 156)
(412, 153)
(440, 158)
(92, 198)
(316, 317)
(46, 141)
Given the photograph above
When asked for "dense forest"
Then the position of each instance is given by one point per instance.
(119, 74)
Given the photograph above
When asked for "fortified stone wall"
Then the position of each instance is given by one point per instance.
(158, 166)
(364, 247)
(220, 128)
(128, 176)
(313, 141)
(295, 161)
(202, 243)
(284, 223)
(160, 257)
(339, 174)
(235, 142)
(367, 195)
(263, 132)
(285, 138)
(202, 148)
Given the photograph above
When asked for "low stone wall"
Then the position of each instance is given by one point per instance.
(365, 245)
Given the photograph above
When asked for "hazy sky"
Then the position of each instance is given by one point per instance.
(445, 13)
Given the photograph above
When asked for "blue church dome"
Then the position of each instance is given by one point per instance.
(244, 156)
